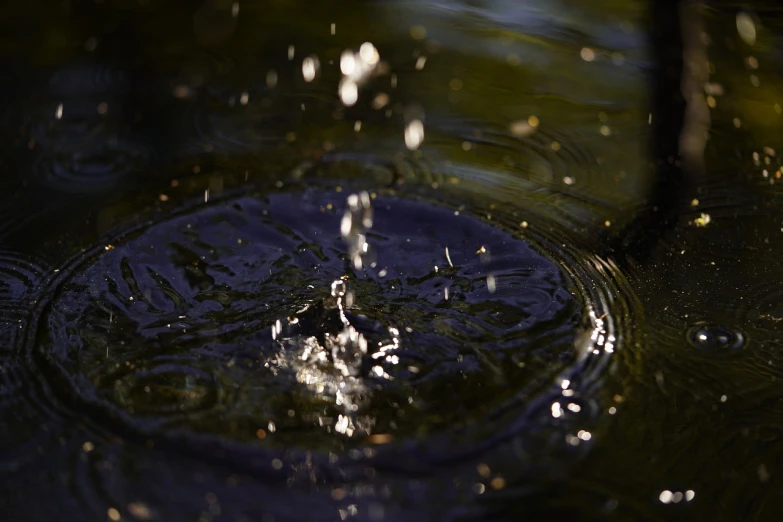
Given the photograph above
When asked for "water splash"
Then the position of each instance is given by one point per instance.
(357, 220)
(334, 362)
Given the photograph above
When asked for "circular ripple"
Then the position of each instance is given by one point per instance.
(175, 328)
(98, 166)
(204, 334)
(19, 276)
(76, 128)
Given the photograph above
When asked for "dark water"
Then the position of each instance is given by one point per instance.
(568, 307)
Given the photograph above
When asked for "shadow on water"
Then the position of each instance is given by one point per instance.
(553, 295)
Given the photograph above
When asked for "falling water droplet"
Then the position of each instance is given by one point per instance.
(414, 134)
(356, 221)
(746, 28)
(310, 66)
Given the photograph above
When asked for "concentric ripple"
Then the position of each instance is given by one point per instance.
(97, 167)
(77, 131)
(177, 327)
(20, 278)
(240, 332)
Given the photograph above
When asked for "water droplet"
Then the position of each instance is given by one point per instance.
(414, 134)
(746, 28)
(310, 66)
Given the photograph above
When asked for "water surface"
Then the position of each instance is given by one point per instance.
(539, 330)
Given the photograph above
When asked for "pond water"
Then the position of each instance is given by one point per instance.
(390, 260)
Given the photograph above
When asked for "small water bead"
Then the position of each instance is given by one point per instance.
(715, 339)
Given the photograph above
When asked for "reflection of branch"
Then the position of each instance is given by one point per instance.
(693, 137)
(678, 119)
(668, 105)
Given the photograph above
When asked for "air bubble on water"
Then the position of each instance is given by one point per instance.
(715, 339)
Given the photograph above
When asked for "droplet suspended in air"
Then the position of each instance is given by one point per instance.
(746, 28)
(310, 66)
(414, 134)
(349, 92)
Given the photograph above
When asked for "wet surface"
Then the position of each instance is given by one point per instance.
(390, 261)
